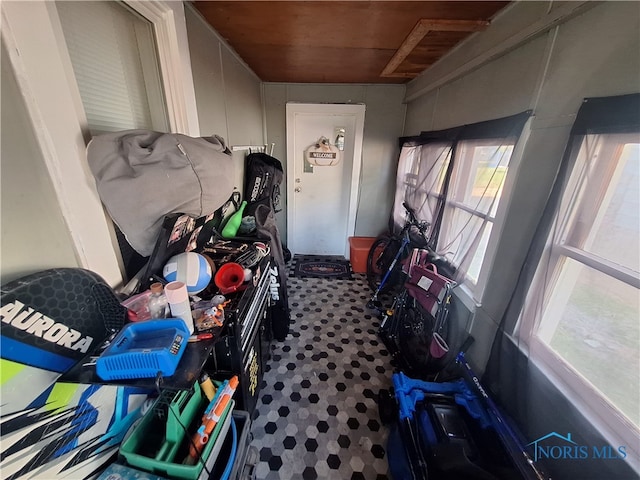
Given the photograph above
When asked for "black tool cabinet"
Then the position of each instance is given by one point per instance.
(242, 347)
(245, 344)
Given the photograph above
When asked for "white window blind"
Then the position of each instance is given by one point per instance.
(114, 59)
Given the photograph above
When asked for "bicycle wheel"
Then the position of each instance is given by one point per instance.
(415, 342)
(375, 269)
(380, 257)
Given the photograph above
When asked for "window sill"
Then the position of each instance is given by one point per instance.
(465, 295)
(616, 429)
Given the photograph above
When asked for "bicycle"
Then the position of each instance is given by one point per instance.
(418, 341)
(384, 266)
(415, 328)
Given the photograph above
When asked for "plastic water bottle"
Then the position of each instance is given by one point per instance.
(340, 140)
(158, 304)
(230, 230)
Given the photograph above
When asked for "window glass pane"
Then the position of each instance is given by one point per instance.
(592, 322)
(433, 168)
(423, 169)
(411, 159)
(480, 175)
(449, 241)
(474, 268)
(477, 182)
(617, 226)
(458, 236)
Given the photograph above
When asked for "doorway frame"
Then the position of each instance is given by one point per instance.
(356, 110)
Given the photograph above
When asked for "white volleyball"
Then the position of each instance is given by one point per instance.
(190, 268)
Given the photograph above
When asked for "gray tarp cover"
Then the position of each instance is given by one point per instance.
(143, 175)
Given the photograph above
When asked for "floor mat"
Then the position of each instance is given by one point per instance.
(321, 266)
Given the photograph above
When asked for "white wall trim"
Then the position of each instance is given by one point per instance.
(175, 62)
(539, 27)
(43, 71)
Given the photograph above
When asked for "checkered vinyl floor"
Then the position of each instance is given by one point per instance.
(317, 416)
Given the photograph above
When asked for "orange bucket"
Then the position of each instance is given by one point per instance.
(358, 251)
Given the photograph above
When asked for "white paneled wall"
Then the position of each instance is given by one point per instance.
(228, 93)
(545, 56)
(34, 236)
(594, 53)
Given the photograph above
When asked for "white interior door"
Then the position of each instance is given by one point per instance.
(322, 200)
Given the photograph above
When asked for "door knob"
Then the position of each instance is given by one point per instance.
(297, 189)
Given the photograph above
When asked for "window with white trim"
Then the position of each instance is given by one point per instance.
(114, 56)
(479, 173)
(455, 179)
(582, 316)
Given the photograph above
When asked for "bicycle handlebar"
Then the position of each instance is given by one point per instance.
(411, 212)
(413, 220)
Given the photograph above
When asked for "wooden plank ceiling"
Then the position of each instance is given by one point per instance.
(345, 42)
